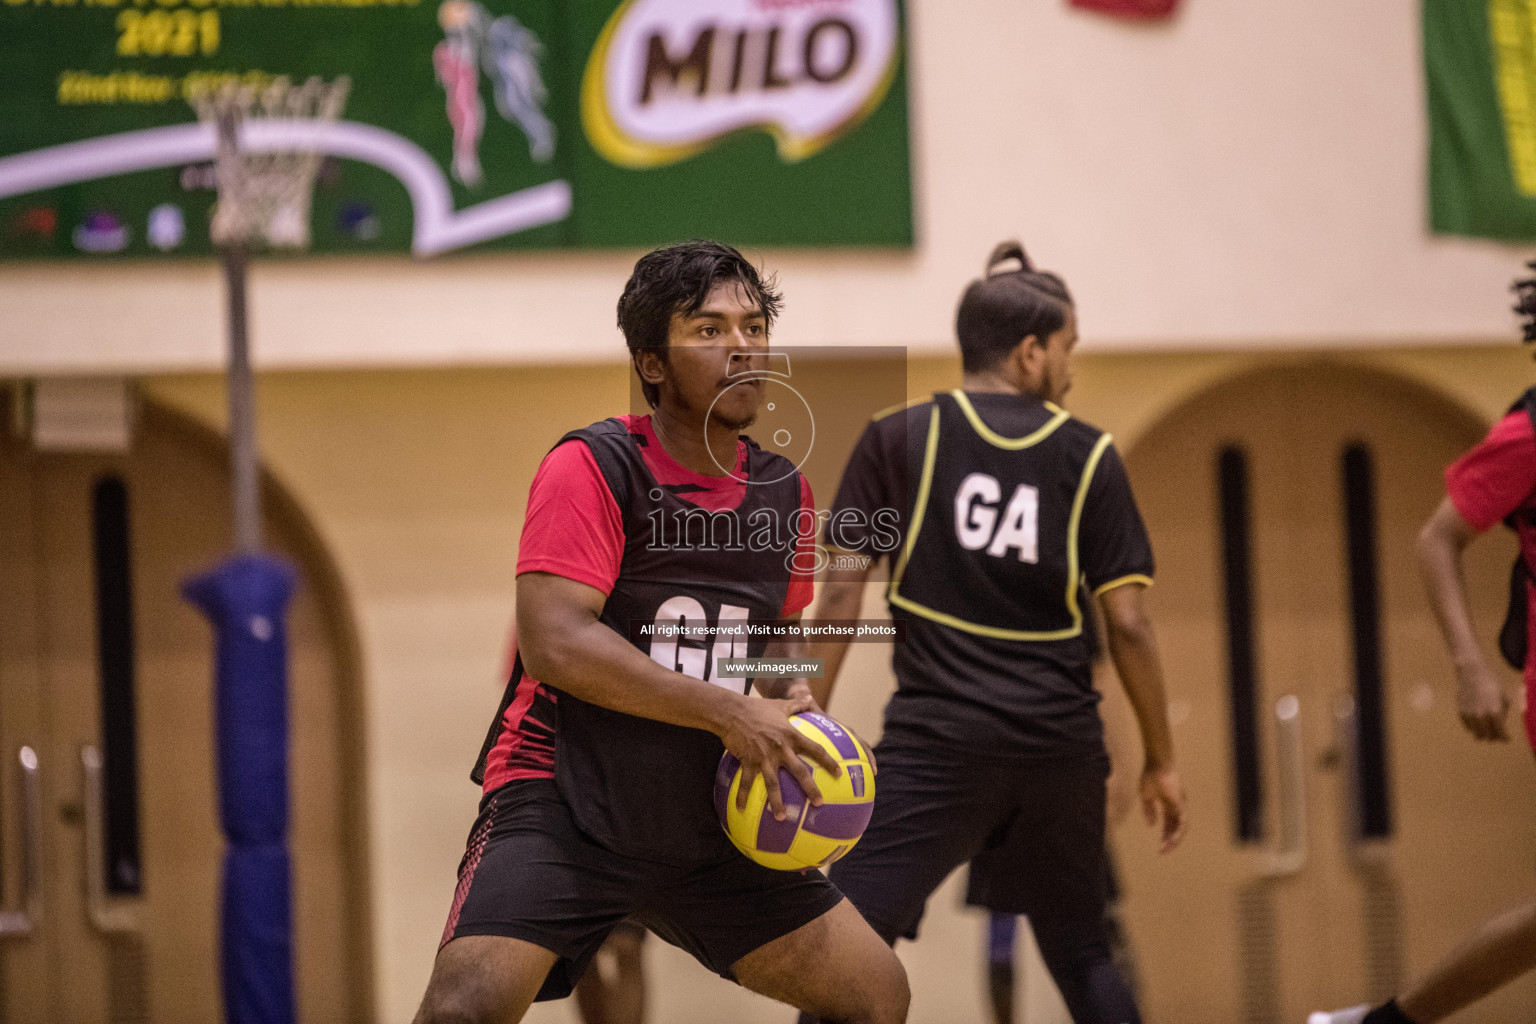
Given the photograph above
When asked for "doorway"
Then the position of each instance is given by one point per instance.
(1346, 830)
(107, 782)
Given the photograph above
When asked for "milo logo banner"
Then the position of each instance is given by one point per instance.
(670, 77)
(778, 121)
(1480, 63)
(468, 123)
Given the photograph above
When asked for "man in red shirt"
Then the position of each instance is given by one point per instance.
(598, 769)
(1493, 482)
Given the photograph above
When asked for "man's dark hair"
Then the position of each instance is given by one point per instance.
(1003, 307)
(1525, 304)
(677, 279)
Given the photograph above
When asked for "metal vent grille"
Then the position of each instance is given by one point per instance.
(1256, 938)
(1383, 935)
(128, 978)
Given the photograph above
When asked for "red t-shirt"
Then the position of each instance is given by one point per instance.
(1498, 477)
(573, 529)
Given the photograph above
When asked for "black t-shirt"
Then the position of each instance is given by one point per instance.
(1018, 508)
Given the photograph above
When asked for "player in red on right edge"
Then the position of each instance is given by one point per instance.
(1494, 482)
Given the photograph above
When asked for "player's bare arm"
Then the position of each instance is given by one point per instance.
(841, 597)
(564, 644)
(1122, 788)
(786, 687)
(1133, 648)
(1480, 696)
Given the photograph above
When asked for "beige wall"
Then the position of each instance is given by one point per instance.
(416, 480)
(1250, 174)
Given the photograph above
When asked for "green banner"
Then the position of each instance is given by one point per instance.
(1480, 63)
(489, 124)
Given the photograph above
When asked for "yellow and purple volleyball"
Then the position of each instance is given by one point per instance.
(808, 837)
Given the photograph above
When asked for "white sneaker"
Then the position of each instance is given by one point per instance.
(1353, 1015)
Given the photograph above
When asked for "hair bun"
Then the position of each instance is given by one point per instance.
(1525, 304)
(1005, 251)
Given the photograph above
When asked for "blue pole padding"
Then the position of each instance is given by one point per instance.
(246, 599)
(257, 931)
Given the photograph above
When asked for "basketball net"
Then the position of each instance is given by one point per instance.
(264, 195)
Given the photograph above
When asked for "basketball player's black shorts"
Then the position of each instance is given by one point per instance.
(994, 882)
(936, 809)
(529, 873)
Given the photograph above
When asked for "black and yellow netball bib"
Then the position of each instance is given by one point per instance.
(992, 548)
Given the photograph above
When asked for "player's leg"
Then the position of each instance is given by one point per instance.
(1076, 952)
(1002, 932)
(929, 818)
(1114, 924)
(1500, 950)
(484, 979)
(835, 968)
(535, 901)
(612, 991)
(789, 935)
(626, 996)
(1060, 882)
(591, 993)
(989, 871)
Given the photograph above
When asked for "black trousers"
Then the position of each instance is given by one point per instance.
(935, 810)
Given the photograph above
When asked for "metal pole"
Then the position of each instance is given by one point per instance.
(245, 472)
(242, 408)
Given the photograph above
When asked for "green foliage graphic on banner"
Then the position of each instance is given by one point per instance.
(507, 124)
(1480, 63)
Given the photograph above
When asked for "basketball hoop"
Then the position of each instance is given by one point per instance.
(264, 193)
